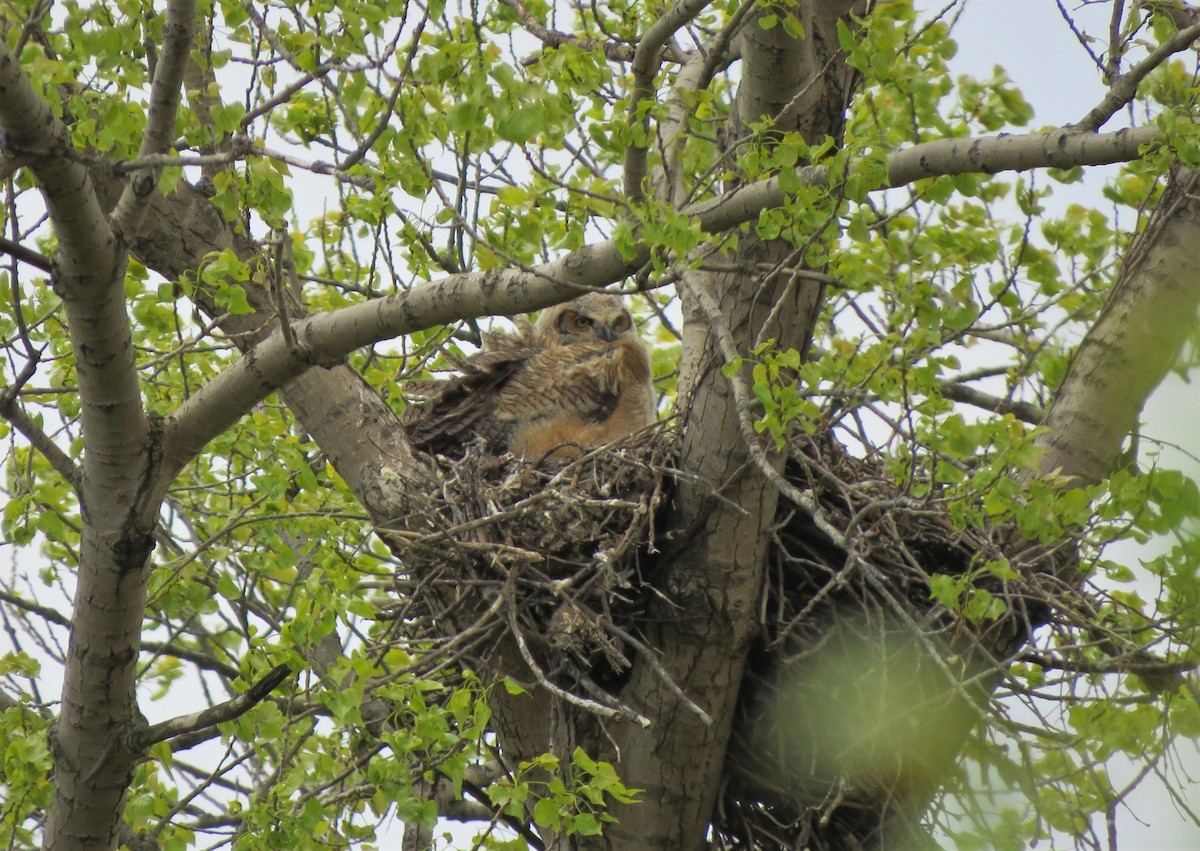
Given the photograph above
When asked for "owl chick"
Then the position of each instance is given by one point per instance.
(577, 379)
(588, 384)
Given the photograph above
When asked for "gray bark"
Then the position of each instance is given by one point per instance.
(95, 741)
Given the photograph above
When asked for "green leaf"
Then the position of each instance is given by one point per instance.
(586, 824)
(465, 117)
(19, 664)
(233, 299)
(512, 686)
(546, 814)
(521, 124)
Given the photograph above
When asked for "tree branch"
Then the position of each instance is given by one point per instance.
(26, 255)
(613, 51)
(646, 61)
(1061, 148)
(1124, 88)
(197, 657)
(39, 139)
(218, 714)
(1125, 354)
(92, 750)
(45, 612)
(1023, 411)
(238, 152)
(326, 338)
(39, 440)
(695, 75)
(159, 133)
(89, 272)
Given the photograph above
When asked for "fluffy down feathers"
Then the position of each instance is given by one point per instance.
(579, 379)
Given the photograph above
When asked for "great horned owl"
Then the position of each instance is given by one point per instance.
(578, 379)
(589, 384)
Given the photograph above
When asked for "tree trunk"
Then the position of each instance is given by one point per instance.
(713, 578)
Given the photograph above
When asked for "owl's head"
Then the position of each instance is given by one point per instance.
(595, 316)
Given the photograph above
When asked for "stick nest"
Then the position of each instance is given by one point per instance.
(563, 545)
(560, 560)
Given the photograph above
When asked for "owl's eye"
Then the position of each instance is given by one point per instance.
(622, 323)
(577, 322)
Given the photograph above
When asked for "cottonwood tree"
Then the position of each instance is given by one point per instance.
(854, 592)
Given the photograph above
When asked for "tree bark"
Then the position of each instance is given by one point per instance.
(714, 577)
(95, 741)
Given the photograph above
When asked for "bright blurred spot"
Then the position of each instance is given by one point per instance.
(871, 708)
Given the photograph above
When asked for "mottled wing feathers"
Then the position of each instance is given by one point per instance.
(577, 378)
(463, 408)
(580, 395)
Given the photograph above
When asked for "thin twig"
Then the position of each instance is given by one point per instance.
(648, 655)
(618, 711)
(26, 255)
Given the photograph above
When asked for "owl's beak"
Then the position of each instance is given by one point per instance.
(606, 333)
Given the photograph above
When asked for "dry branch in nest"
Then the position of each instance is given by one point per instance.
(856, 665)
